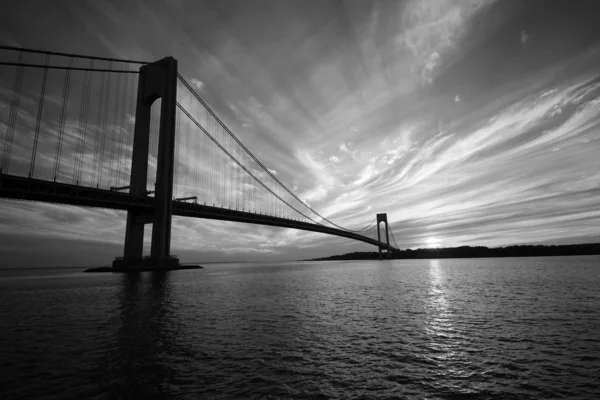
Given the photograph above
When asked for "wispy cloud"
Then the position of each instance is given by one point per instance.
(435, 30)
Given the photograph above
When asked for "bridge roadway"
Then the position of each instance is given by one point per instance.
(29, 189)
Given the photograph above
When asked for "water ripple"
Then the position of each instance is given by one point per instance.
(447, 329)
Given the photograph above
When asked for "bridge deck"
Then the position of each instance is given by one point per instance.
(29, 189)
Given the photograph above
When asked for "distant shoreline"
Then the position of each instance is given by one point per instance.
(475, 252)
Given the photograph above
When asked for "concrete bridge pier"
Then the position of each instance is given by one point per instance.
(156, 81)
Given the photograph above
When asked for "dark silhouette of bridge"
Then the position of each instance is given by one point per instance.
(135, 136)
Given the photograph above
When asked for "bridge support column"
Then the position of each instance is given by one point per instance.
(161, 233)
(134, 238)
(382, 218)
(156, 81)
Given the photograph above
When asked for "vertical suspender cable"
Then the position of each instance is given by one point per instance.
(225, 163)
(85, 121)
(130, 128)
(187, 155)
(211, 167)
(192, 145)
(38, 120)
(196, 153)
(236, 173)
(209, 149)
(122, 131)
(12, 118)
(98, 129)
(62, 120)
(83, 118)
(210, 164)
(205, 175)
(192, 151)
(104, 126)
(250, 185)
(216, 166)
(177, 162)
(245, 198)
(227, 175)
(224, 166)
(238, 184)
(207, 165)
(184, 159)
(221, 170)
(113, 144)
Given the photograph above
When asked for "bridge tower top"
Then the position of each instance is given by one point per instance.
(382, 218)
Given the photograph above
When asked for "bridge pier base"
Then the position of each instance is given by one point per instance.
(146, 263)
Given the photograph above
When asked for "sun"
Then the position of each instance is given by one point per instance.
(432, 242)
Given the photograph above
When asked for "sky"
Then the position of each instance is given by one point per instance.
(469, 122)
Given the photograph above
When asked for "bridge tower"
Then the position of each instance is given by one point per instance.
(382, 218)
(157, 80)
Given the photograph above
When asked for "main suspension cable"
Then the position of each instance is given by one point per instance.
(394, 239)
(240, 164)
(187, 85)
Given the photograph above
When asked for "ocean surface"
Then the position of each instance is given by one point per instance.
(512, 328)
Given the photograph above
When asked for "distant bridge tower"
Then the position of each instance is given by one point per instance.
(382, 218)
(157, 80)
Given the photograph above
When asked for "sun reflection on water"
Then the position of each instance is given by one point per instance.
(440, 325)
(437, 294)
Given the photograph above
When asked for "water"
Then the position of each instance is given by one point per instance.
(480, 328)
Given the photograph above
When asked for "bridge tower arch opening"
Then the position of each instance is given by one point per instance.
(157, 80)
(382, 220)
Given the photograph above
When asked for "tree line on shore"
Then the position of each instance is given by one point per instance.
(477, 252)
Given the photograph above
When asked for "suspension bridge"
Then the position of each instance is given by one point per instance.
(135, 136)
